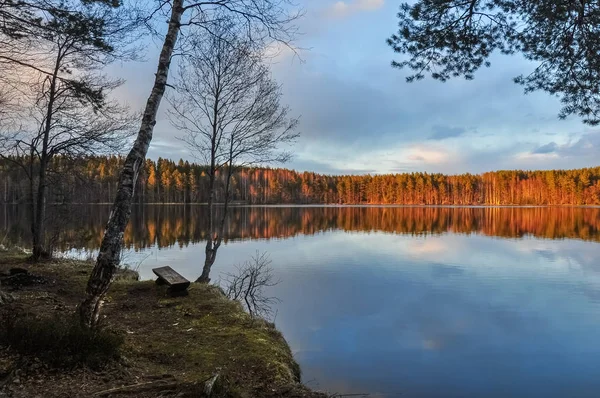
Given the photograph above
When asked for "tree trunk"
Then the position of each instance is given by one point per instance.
(110, 249)
(39, 217)
(39, 235)
(210, 252)
(209, 260)
(32, 196)
(213, 244)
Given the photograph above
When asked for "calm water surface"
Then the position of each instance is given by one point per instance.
(412, 302)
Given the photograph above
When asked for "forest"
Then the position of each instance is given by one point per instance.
(94, 179)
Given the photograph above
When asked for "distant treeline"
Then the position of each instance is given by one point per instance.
(94, 179)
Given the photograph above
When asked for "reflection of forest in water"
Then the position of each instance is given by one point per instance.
(81, 227)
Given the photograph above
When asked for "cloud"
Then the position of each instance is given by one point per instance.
(342, 112)
(427, 155)
(277, 52)
(333, 168)
(588, 144)
(169, 149)
(544, 149)
(358, 115)
(443, 132)
(342, 9)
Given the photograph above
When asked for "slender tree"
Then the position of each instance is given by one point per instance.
(451, 38)
(229, 108)
(262, 20)
(65, 109)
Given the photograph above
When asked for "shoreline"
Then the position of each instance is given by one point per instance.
(192, 339)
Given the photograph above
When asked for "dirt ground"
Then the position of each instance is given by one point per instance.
(173, 345)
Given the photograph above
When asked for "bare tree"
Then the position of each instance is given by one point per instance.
(262, 20)
(64, 105)
(248, 284)
(229, 108)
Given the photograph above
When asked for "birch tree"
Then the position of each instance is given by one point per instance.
(230, 111)
(262, 20)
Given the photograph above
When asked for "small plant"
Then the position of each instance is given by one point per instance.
(59, 341)
(246, 286)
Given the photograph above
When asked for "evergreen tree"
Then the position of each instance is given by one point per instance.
(452, 38)
(65, 110)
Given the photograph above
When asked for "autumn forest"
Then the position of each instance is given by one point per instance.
(94, 180)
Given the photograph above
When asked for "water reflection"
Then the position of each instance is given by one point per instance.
(166, 226)
(444, 316)
(422, 302)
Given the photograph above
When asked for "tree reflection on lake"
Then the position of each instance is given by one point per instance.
(416, 301)
(166, 226)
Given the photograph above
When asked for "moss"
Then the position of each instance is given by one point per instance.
(191, 337)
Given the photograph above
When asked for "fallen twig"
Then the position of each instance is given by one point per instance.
(160, 385)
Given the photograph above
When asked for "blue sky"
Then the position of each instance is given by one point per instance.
(358, 115)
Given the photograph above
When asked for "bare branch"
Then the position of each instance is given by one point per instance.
(248, 286)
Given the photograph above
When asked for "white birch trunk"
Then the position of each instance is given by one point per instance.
(112, 243)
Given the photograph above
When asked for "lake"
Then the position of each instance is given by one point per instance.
(397, 301)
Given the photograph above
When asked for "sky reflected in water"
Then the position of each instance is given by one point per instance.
(442, 315)
(450, 315)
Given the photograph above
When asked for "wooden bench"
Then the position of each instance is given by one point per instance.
(168, 276)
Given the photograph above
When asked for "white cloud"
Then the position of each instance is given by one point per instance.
(534, 158)
(359, 158)
(276, 53)
(343, 9)
(426, 155)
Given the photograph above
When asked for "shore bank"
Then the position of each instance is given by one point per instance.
(172, 346)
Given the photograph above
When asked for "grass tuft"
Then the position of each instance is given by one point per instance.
(61, 342)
